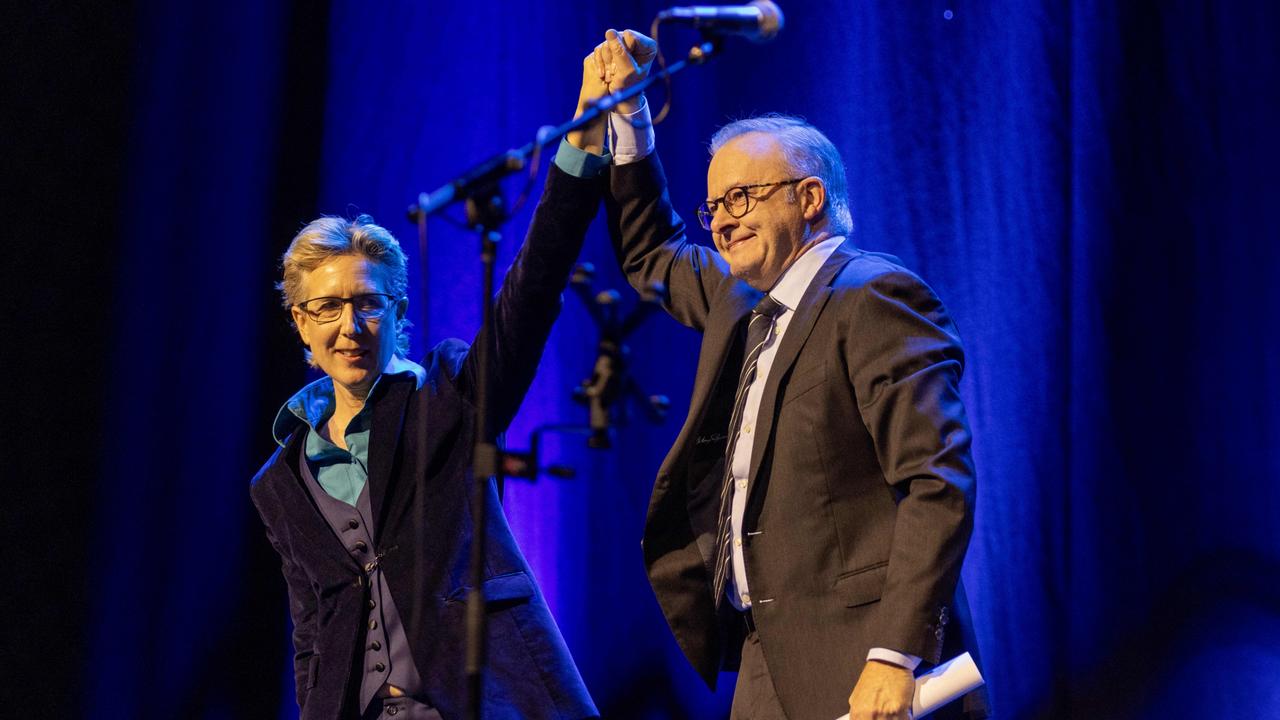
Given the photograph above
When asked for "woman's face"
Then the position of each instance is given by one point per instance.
(351, 350)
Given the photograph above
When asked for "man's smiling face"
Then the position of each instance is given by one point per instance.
(762, 243)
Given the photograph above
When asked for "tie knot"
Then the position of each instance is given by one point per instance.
(769, 307)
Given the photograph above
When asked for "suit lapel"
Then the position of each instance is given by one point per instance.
(300, 505)
(797, 334)
(384, 438)
(721, 325)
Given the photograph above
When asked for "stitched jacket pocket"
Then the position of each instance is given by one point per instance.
(500, 592)
(863, 586)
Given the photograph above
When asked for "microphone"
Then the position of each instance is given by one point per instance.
(758, 21)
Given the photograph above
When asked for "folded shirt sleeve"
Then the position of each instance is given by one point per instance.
(910, 662)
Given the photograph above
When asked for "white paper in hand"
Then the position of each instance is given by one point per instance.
(942, 684)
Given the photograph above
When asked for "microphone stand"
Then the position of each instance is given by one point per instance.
(486, 212)
(611, 381)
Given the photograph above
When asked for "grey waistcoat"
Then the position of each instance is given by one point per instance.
(386, 648)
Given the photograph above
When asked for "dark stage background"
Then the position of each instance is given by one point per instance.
(1090, 186)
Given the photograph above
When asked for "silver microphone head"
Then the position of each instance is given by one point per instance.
(771, 20)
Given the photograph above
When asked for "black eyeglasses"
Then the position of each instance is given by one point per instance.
(738, 201)
(369, 307)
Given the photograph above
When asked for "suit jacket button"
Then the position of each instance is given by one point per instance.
(376, 646)
(353, 523)
(373, 624)
(379, 667)
(360, 546)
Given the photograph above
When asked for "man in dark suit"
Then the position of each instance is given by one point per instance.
(377, 596)
(814, 512)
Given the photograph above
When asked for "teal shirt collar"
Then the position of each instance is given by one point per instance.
(313, 404)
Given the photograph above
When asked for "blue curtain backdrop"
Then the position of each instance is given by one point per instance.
(1090, 186)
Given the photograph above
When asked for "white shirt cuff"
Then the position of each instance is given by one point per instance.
(910, 662)
(631, 134)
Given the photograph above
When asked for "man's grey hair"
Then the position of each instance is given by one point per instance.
(328, 237)
(808, 151)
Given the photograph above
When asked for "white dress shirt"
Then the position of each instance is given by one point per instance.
(788, 291)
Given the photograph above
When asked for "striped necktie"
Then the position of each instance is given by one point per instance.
(763, 319)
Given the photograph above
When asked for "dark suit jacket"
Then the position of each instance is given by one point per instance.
(861, 490)
(531, 674)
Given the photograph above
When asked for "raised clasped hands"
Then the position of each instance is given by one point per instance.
(621, 61)
(626, 59)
